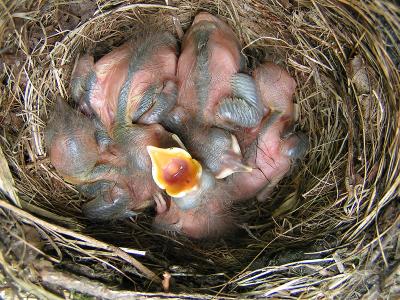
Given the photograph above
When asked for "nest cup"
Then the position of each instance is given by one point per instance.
(330, 228)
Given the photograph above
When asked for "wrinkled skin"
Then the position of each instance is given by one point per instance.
(96, 86)
(207, 221)
(133, 83)
(129, 140)
(133, 187)
(111, 201)
(208, 217)
(73, 149)
(276, 89)
(270, 149)
(150, 91)
(209, 62)
(210, 92)
(139, 75)
(117, 178)
(211, 101)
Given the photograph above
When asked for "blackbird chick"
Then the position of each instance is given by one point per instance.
(139, 75)
(199, 204)
(73, 149)
(133, 188)
(210, 217)
(133, 83)
(213, 96)
(96, 86)
(212, 88)
(134, 180)
(272, 147)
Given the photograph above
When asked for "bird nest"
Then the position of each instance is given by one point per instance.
(330, 229)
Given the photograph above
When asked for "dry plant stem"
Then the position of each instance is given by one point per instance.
(383, 287)
(97, 289)
(27, 286)
(93, 242)
(336, 200)
(6, 181)
(44, 213)
(177, 23)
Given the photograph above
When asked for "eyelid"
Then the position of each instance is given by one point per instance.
(177, 226)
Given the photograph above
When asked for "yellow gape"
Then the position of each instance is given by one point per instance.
(174, 170)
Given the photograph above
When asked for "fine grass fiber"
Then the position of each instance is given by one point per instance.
(329, 230)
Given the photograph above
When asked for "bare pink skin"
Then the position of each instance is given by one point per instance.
(133, 175)
(140, 189)
(72, 146)
(266, 149)
(129, 188)
(112, 89)
(137, 177)
(270, 161)
(276, 89)
(75, 154)
(223, 60)
(111, 73)
(270, 153)
(210, 56)
(210, 219)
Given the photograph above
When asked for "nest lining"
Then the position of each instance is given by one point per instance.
(327, 230)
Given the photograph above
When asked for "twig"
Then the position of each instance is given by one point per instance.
(97, 289)
(6, 180)
(25, 285)
(176, 21)
(47, 214)
(95, 243)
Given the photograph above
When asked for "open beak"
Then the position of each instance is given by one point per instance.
(174, 170)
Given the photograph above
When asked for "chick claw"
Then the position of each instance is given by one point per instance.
(161, 204)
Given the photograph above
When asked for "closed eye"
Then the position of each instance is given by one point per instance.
(170, 228)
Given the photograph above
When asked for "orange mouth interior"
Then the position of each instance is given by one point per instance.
(174, 170)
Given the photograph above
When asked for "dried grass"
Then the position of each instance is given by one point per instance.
(330, 230)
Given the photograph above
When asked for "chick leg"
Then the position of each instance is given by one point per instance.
(245, 108)
(161, 204)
